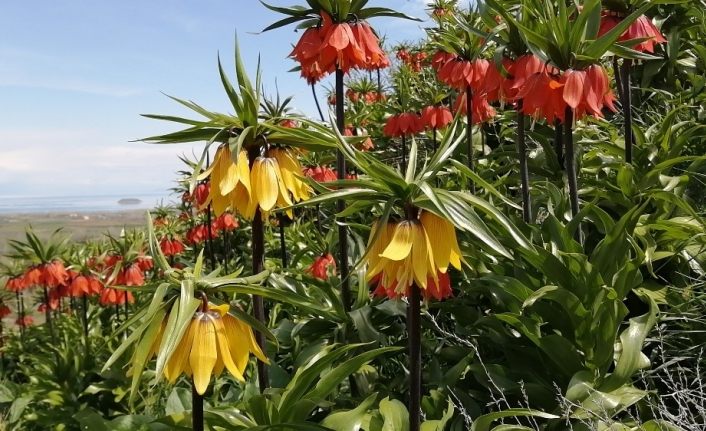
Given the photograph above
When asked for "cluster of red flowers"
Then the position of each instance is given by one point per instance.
(436, 117)
(347, 45)
(171, 246)
(439, 291)
(199, 233)
(61, 282)
(480, 75)
(130, 274)
(641, 28)
(404, 124)
(321, 174)
(367, 96)
(408, 123)
(322, 265)
(412, 60)
(546, 92)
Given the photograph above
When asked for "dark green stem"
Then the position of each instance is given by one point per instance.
(341, 204)
(627, 109)
(47, 315)
(524, 170)
(258, 263)
(404, 153)
(618, 80)
(196, 409)
(415, 356)
(571, 168)
(316, 100)
(558, 143)
(85, 316)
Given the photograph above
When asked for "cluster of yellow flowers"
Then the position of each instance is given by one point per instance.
(215, 340)
(412, 251)
(234, 185)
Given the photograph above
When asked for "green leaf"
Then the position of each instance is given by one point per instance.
(395, 415)
(484, 422)
(349, 420)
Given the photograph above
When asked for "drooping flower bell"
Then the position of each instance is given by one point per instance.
(214, 341)
(53, 274)
(31, 277)
(15, 284)
(322, 265)
(200, 195)
(480, 75)
(131, 276)
(588, 91)
(274, 177)
(171, 246)
(404, 124)
(412, 251)
(230, 183)
(110, 296)
(226, 222)
(436, 117)
(348, 45)
(85, 285)
(321, 174)
(641, 28)
(267, 185)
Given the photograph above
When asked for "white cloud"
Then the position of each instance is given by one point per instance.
(76, 161)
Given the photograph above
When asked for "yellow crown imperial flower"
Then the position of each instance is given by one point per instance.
(214, 341)
(230, 183)
(273, 182)
(412, 251)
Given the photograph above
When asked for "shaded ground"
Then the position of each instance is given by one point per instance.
(79, 225)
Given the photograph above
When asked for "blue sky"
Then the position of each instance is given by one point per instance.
(76, 74)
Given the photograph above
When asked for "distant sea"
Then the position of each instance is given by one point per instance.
(69, 204)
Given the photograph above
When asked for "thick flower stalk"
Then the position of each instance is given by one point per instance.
(214, 341)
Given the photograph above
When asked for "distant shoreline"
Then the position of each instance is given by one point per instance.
(80, 225)
(14, 205)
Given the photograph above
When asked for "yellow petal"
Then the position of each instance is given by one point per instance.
(244, 171)
(180, 357)
(265, 182)
(220, 204)
(230, 180)
(420, 255)
(254, 347)
(401, 243)
(157, 340)
(439, 237)
(224, 352)
(237, 342)
(203, 355)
